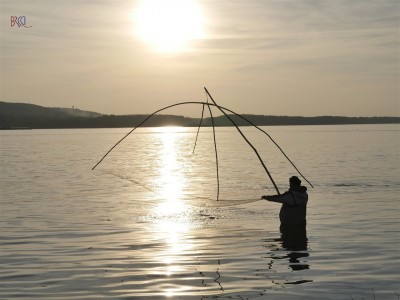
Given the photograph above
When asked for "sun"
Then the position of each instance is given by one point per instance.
(169, 25)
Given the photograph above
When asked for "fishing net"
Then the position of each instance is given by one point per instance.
(162, 162)
(181, 164)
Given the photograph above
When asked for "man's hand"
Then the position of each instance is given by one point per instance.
(265, 197)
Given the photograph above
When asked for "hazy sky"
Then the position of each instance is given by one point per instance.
(279, 57)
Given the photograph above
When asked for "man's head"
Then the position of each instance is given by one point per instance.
(294, 181)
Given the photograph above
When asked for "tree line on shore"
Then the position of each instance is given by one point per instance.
(22, 115)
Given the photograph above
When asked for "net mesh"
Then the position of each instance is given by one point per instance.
(162, 161)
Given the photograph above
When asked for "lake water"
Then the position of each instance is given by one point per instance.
(146, 224)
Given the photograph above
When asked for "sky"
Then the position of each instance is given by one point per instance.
(270, 57)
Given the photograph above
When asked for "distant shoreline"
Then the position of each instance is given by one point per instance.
(204, 126)
(18, 116)
(15, 128)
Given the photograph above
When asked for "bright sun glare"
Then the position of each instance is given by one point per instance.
(170, 178)
(169, 25)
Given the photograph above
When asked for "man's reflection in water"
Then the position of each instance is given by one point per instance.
(292, 246)
(294, 240)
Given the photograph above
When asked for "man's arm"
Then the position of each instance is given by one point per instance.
(274, 198)
(285, 198)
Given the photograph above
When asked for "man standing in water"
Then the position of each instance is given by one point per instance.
(293, 222)
(294, 204)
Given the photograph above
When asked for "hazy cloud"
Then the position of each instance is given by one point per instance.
(87, 51)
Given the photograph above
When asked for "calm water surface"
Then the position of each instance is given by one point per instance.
(140, 225)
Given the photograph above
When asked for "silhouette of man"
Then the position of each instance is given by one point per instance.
(294, 204)
(293, 222)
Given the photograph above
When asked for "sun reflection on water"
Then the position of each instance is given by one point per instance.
(170, 177)
(171, 225)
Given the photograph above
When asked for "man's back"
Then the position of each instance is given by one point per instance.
(294, 207)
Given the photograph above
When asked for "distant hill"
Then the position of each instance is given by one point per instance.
(23, 115)
(29, 110)
(78, 113)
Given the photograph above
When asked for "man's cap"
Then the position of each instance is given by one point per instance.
(295, 180)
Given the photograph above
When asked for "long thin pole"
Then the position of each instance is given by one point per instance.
(140, 124)
(198, 129)
(215, 149)
(272, 140)
(247, 141)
